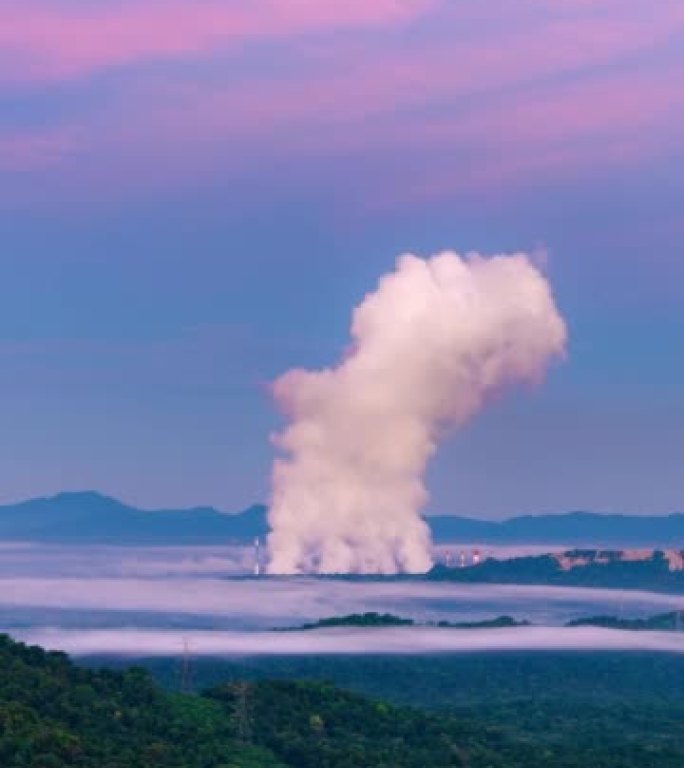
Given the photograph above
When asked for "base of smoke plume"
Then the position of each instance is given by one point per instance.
(405, 640)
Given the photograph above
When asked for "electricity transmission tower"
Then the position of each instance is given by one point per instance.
(242, 714)
(186, 667)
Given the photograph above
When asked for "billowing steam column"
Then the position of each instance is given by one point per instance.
(429, 346)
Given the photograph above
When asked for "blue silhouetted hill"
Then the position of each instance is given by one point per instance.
(570, 529)
(93, 518)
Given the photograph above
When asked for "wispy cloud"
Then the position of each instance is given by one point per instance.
(452, 96)
(592, 126)
(42, 41)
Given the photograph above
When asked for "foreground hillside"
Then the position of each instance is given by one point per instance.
(53, 715)
(602, 709)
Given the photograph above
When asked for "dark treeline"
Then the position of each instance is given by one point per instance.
(368, 619)
(672, 621)
(373, 619)
(663, 622)
(652, 574)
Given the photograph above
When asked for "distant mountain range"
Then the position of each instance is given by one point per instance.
(570, 529)
(90, 517)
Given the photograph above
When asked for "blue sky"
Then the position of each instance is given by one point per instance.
(189, 208)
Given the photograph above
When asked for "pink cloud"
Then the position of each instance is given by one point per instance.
(42, 42)
(523, 117)
(39, 42)
(549, 97)
(586, 128)
(357, 85)
(608, 107)
(542, 136)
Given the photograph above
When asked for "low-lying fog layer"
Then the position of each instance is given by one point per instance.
(199, 588)
(30, 559)
(63, 560)
(352, 640)
(254, 603)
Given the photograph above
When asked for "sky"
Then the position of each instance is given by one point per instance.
(194, 194)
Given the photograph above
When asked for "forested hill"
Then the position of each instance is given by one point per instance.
(54, 715)
(653, 574)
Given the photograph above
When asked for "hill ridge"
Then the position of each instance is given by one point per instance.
(92, 516)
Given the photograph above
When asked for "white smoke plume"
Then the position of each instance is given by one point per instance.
(436, 339)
